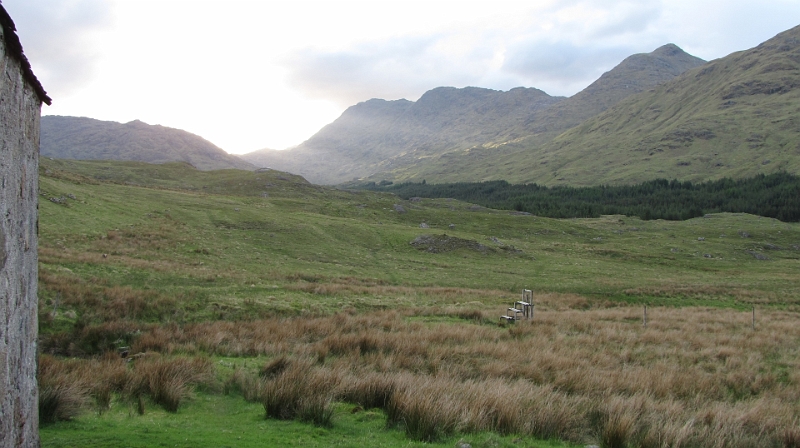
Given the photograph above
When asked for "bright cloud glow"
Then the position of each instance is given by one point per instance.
(253, 74)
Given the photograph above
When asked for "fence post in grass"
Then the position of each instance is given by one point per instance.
(754, 317)
(644, 317)
(527, 303)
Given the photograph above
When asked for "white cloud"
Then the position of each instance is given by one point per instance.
(559, 47)
(562, 68)
(390, 69)
(58, 37)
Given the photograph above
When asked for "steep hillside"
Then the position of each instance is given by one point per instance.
(90, 139)
(377, 135)
(635, 74)
(736, 116)
(358, 127)
(469, 127)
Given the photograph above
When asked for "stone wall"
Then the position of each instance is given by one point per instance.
(20, 109)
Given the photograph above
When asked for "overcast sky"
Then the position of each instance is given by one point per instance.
(248, 75)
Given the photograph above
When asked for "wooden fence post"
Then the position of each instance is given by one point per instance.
(644, 317)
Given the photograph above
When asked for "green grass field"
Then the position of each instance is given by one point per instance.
(227, 421)
(221, 246)
(132, 252)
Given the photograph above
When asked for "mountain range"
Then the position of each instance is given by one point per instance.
(393, 139)
(665, 114)
(89, 139)
(378, 135)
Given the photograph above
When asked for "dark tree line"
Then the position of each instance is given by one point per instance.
(775, 196)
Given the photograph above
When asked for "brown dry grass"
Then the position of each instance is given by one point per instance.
(128, 258)
(692, 377)
(677, 288)
(168, 381)
(63, 393)
(67, 387)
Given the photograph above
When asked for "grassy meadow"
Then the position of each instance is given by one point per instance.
(292, 314)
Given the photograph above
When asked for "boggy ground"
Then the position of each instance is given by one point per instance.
(691, 377)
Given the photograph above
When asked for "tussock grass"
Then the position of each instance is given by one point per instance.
(242, 382)
(67, 387)
(302, 391)
(692, 377)
(368, 388)
(63, 394)
(168, 381)
(791, 437)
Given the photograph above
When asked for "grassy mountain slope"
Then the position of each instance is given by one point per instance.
(90, 139)
(176, 176)
(378, 135)
(304, 231)
(734, 117)
(635, 74)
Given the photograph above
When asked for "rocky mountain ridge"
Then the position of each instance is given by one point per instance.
(377, 134)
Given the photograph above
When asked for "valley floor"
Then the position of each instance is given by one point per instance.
(258, 295)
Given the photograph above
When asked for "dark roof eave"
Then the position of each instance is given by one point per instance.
(14, 47)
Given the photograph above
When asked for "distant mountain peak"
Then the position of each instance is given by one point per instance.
(84, 138)
(668, 50)
(382, 101)
(137, 123)
(672, 61)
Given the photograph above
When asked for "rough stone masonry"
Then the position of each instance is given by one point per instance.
(21, 98)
